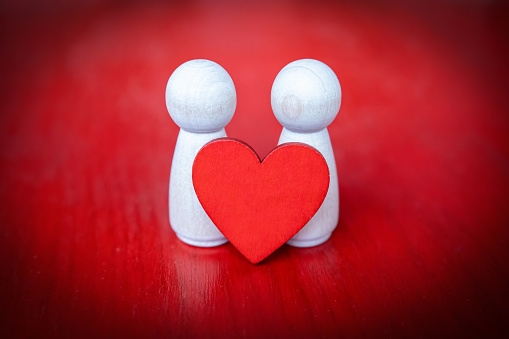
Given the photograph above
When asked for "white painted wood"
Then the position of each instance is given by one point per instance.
(201, 99)
(305, 98)
(320, 227)
(187, 217)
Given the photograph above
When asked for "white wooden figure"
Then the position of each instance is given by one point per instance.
(305, 98)
(201, 100)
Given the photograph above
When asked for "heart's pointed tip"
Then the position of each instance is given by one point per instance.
(253, 203)
(255, 259)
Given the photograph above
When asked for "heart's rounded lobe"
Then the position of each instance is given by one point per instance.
(259, 205)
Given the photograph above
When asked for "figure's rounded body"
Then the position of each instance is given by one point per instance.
(201, 99)
(187, 217)
(319, 229)
(305, 98)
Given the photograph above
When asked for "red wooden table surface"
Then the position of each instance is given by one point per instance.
(421, 147)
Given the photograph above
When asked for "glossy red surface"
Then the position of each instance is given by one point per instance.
(421, 148)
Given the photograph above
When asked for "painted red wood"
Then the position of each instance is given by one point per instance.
(421, 147)
(259, 205)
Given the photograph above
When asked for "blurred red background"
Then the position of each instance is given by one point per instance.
(421, 148)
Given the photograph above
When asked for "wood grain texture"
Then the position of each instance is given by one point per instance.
(421, 148)
(201, 99)
(305, 99)
(187, 217)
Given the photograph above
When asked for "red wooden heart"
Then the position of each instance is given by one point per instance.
(259, 205)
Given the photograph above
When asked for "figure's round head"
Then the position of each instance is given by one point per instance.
(200, 96)
(306, 96)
